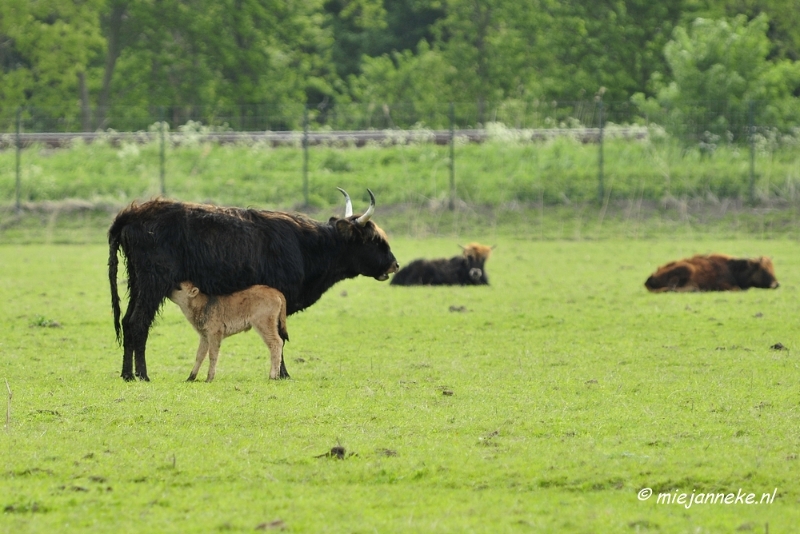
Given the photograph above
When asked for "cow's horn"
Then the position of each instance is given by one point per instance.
(348, 206)
(361, 221)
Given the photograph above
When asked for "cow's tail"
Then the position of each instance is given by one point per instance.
(113, 264)
(284, 333)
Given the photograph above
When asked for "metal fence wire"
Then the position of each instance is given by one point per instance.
(700, 124)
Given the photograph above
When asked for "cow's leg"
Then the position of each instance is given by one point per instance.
(680, 278)
(202, 350)
(127, 343)
(214, 342)
(141, 321)
(675, 278)
(127, 338)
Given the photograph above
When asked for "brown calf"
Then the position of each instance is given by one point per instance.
(714, 272)
(215, 318)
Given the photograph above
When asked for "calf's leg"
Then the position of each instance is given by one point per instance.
(202, 350)
(214, 341)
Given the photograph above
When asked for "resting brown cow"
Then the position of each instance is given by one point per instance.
(714, 272)
(215, 318)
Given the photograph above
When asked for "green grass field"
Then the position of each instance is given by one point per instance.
(572, 390)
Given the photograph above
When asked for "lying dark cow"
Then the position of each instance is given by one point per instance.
(714, 272)
(224, 250)
(465, 270)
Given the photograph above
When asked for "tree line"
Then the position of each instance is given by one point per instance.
(100, 61)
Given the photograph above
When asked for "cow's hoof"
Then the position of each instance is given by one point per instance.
(128, 378)
(144, 378)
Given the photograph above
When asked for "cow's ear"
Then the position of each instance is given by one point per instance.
(345, 228)
(193, 292)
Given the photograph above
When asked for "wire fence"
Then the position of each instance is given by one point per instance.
(339, 117)
(690, 120)
(700, 126)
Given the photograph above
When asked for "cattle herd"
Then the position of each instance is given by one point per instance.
(230, 269)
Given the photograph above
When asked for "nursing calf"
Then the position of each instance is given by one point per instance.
(215, 318)
(713, 272)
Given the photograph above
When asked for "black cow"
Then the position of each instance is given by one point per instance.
(224, 250)
(465, 270)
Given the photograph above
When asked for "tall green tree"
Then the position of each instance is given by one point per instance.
(485, 51)
(414, 86)
(614, 44)
(471, 32)
(373, 28)
(223, 55)
(784, 20)
(48, 48)
(717, 68)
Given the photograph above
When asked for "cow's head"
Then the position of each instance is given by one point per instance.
(476, 253)
(476, 256)
(368, 251)
(757, 272)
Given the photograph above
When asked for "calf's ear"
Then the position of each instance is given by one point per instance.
(193, 292)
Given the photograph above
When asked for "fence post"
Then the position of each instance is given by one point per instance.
(305, 155)
(162, 151)
(452, 203)
(19, 159)
(751, 129)
(601, 190)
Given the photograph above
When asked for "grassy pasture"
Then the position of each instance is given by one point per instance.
(572, 389)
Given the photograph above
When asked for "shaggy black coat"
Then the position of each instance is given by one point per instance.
(442, 272)
(224, 250)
